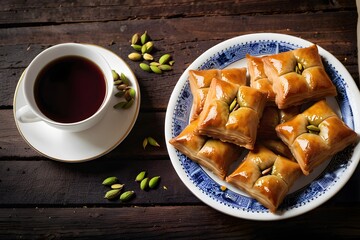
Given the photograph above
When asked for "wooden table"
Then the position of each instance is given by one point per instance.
(46, 199)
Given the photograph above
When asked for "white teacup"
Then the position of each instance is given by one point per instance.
(42, 103)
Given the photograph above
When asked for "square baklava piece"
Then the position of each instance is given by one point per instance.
(232, 113)
(265, 176)
(213, 154)
(200, 81)
(298, 76)
(315, 135)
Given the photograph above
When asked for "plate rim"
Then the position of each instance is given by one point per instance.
(221, 47)
(119, 140)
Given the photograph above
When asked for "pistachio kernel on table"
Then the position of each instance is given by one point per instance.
(149, 46)
(148, 57)
(144, 184)
(154, 182)
(155, 69)
(136, 47)
(125, 91)
(144, 38)
(165, 67)
(111, 194)
(140, 176)
(134, 56)
(143, 47)
(145, 67)
(164, 58)
(135, 39)
(110, 181)
(151, 141)
(126, 196)
(118, 186)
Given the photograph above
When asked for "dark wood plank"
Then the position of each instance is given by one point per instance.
(184, 38)
(189, 35)
(12, 144)
(23, 13)
(45, 199)
(44, 183)
(185, 222)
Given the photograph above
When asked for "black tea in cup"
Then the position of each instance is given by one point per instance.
(70, 89)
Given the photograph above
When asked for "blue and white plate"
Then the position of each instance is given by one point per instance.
(308, 192)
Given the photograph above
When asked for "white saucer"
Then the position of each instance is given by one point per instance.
(89, 144)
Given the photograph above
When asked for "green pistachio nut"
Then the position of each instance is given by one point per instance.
(232, 105)
(144, 38)
(126, 196)
(127, 96)
(153, 142)
(154, 182)
(165, 67)
(117, 82)
(148, 57)
(164, 58)
(110, 181)
(140, 176)
(129, 104)
(149, 46)
(120, 94)
(313, 128)
(143, 49)
(132, 92)
(155, 69)
(120, 105)
(124, 79)
(144, 184)
(145, 67)
(135, 39)
(136, 47)
(300, 66)
(154, 64)
(117, 186)
(135, 56)
(112, 193)
(145, 143)
(115, 75)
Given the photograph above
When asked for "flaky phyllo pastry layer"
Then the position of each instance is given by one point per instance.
(213, 154)
(315, 135)
(200, 81)
(258, 77)
(227, 108)
(265, 176)
(272, 116)
(298, 76)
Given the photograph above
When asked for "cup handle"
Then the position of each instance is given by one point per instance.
(25, 115)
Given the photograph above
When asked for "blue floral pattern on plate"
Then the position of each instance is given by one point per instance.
(231, 199)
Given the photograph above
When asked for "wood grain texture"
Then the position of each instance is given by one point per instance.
(184, 38)
(13, 145)
(49, 183)
(45, 199)
(170, 222)
(35, 12)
